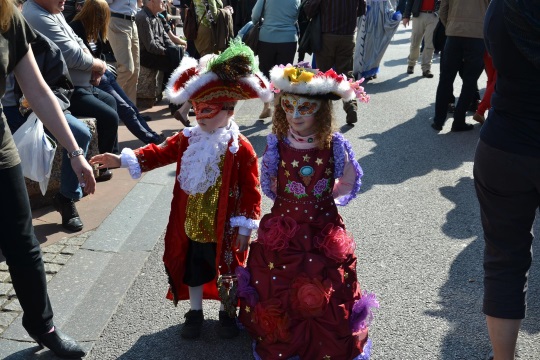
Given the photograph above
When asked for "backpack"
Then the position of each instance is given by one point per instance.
(191, 25)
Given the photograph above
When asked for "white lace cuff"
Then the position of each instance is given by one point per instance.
(129, 160)
(243, 222)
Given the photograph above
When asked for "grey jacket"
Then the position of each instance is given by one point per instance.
(55, 28)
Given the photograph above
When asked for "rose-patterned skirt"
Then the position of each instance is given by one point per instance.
(299, 294)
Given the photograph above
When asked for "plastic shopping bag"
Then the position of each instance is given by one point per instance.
(36, 150)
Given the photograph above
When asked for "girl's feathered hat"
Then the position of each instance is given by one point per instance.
(302, 80)
(230, 76)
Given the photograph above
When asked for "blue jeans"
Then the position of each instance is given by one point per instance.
(95, 103)
(127, 111)
(69, 184)
(466, 54)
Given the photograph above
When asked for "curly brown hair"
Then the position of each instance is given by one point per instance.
(324, 121)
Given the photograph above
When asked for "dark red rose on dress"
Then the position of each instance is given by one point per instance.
(336, 244)
(272, 320)
(310, 296)
(277, 232)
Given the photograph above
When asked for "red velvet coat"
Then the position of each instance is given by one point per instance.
(240, 195)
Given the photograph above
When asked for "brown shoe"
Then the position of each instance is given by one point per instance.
(352, 116)
(410, 69)
(104, 175)
(427, 74)
(479, 117)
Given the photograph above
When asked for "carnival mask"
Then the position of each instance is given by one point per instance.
(209, 110)
(298, 106)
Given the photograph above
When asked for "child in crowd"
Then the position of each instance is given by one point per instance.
(299, 294)
(217, 197)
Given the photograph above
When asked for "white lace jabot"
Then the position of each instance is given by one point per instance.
(200, 161)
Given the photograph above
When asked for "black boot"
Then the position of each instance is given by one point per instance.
(70, 217)
(60, 344)
(227, 328)
(193, 324)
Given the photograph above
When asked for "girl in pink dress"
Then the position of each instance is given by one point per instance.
(299, 294)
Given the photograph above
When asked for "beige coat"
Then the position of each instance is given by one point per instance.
(464, 18)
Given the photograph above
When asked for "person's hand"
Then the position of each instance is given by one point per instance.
(242, 242)
(85, 174)
(105, 161)
(406, 21)
(96, 78)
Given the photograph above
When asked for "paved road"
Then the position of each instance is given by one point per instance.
(416, 224)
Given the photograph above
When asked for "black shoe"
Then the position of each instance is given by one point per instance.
(463, 127)
(451, 108)
(104, 175)
(60, 344)
(193, 324)
(158, 139)
(227, 328)
(436, 126)
(70, 217)
(352, 117)
(427, 74)
(410, 69)
(146, 118)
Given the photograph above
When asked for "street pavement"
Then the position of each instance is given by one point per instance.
(416, 224)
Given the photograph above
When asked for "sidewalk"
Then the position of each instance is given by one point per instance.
(98, 263)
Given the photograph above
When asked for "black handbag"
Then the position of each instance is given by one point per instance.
(251, 38)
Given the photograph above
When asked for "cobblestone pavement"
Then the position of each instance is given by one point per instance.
(54, 256)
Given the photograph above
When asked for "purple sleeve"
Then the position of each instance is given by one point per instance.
(341, 145)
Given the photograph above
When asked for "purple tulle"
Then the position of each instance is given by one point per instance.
(269, 166)
(362, 315)
(246, 291)
(341, 145)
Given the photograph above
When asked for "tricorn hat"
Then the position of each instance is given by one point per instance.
(230, 76)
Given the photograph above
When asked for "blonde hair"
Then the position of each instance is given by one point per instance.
(324, 122)
(95, 17)
(7, 9)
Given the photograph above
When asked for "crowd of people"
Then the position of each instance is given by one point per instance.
(298, 292)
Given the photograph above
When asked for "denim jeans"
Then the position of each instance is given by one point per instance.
(467, 54)
(69, 184)
(93, 102)
(23, 254)
(127, 111)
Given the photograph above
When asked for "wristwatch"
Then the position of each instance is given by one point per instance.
(75, 153)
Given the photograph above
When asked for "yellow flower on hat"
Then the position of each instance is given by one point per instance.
(290, 72)
(305, 76)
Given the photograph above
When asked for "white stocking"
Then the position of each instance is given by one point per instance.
(195, 297)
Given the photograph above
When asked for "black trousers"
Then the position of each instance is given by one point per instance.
(508, 189)
(22, 252)
(166, 63)
(467, 55)
(271, 54)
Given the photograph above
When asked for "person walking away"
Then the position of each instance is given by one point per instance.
(338, 24)
(464, 48)
(506, 168)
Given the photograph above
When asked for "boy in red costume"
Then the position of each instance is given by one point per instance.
(217, 198)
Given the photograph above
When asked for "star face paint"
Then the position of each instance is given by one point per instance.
(298, 106)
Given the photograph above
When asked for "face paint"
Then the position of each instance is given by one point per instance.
(206, 110)
(298, 106)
